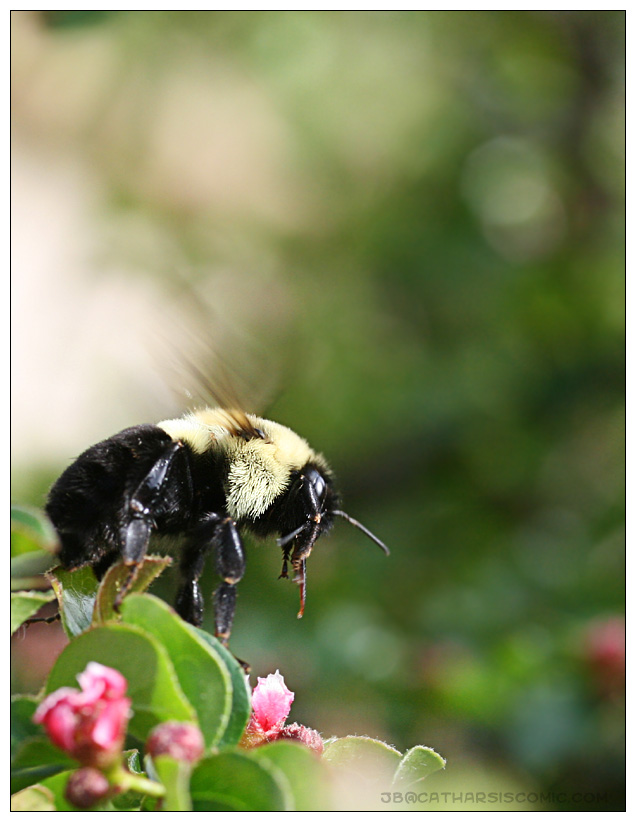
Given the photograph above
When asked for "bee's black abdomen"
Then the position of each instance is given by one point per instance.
(85, 504)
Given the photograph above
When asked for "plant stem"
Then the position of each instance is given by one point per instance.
(135, 782)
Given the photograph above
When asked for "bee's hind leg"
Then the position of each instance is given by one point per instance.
(189, 603)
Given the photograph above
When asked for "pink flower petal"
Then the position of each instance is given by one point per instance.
(66, 695)
(110, 725)
(60, 724)
(98, 681)
(271, 702)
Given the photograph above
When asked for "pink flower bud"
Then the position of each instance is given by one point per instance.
(90, 725)
(180, 740)
(86, 788)
(307, 736)
(271, 703)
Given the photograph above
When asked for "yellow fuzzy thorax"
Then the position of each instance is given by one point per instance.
(259, 469)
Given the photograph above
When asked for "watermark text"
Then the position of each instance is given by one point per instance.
(492, 797)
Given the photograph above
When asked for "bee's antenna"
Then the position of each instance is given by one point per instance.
(364, 530)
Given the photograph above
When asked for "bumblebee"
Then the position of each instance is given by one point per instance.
(205, 478)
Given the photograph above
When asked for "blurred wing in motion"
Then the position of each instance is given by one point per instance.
(210, 364)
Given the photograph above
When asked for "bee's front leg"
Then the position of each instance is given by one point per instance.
(139, 516)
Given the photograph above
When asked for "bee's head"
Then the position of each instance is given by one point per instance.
(312, 502)
(308, 511)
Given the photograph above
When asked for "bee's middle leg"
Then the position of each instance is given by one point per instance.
(222, 534)
(230, 566)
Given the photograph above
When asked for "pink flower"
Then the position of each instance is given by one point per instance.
(90, 725)
(271, 703)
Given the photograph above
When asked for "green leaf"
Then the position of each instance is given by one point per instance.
(24, 604)
(84, 601)
(175, 777)
(303, 769)
(116, 577)
(35, 759)
(233, 781)
(35, 798)
(133, 761)
(363, 755)
(361, 770)
(27, 570)
(38, 751)
(22, 727)
(152, 682)
(31, 530)
(75, 592)
(33, 756)
(57, 786)
(241, 692)
(417, 764)
(202, 674)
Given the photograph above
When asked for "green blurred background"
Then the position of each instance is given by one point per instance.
(418, 218)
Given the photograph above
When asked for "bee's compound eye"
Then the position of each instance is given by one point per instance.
(317, 481)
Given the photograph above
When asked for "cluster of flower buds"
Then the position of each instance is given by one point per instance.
(271, 703)
(90, 725)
